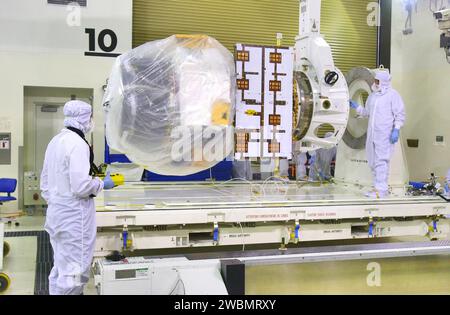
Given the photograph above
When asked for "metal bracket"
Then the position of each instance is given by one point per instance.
(371, 227)
(297, 228)
(216, 233)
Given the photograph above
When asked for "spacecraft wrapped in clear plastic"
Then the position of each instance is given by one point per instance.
(169, 104)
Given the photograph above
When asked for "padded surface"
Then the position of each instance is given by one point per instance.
(6, 198)
(8, 185)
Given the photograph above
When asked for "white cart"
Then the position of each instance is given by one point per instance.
(4, 250)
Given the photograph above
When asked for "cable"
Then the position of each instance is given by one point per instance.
(233, 179)
(285, 181)
(176, 285)
(241, 179)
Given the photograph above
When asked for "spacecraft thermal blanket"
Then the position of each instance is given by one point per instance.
(169, 104)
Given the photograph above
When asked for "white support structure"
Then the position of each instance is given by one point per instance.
(175, 215)
(309, 17)
(322, 89)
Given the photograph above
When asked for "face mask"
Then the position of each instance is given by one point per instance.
(375, 88)
(90, 127)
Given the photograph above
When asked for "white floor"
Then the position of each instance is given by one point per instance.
(20, 264)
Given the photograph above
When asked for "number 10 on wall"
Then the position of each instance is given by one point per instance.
(106, 46)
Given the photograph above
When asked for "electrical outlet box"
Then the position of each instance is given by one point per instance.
(31, 190)
(5, 148)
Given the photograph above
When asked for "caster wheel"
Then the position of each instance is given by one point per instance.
(6, 249)
(4, 282)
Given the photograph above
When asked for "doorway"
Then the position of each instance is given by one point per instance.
(43, 119)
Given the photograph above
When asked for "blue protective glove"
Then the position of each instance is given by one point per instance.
(312, 160)
(353, 104)
(446, 188)
(108, 182)
(394, 136)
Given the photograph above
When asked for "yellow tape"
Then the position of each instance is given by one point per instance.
(251, 112)
(118, 179)
(220, 113)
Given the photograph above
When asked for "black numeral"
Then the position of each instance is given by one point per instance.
(101, 40)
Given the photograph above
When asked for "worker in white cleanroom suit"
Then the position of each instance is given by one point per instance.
(68, 187)
(386, 113)
(447, 184)
(320, 162)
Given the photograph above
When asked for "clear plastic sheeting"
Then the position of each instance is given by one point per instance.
(169, 104)
(241, 194)
(131, 172)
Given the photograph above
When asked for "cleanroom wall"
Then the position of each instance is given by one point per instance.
(420, 73)
(44, 45)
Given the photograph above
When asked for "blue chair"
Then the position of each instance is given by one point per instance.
(8, 186)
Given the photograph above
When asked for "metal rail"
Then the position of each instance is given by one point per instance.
(332, 253)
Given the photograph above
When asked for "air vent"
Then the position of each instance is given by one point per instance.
(49, 108)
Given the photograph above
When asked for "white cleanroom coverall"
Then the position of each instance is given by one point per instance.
(386, 112)
(69, 189)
